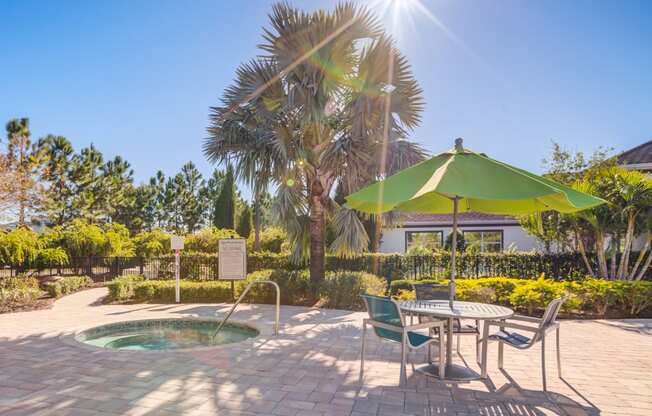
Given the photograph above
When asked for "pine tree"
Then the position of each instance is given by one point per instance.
(23, 161)
(192, 197)
(224, 212)
(56, 153)
(244, 222)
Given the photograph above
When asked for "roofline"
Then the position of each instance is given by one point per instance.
(459, 224)
(633, 149)
(638, 166)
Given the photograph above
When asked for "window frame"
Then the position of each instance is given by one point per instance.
(440, 232)
(502, 238)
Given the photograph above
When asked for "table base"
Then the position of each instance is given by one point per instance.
(451, 372)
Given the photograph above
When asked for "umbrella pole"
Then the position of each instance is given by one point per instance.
(451, 296)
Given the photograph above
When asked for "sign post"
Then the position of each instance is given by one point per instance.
(232, 261)
(176, 243)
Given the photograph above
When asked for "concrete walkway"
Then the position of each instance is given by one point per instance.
(310, 369)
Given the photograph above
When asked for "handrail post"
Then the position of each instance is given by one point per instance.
(244, 293)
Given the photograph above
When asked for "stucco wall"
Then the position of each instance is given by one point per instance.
(393, 240)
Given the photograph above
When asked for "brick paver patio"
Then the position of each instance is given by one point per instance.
(310, 369)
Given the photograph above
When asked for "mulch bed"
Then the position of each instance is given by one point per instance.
(44, 302)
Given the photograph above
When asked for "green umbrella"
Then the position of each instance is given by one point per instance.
(461, 180)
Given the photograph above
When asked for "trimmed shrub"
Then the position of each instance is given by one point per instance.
(122, 288)
(295, 285)
(406, 284)
(163, 291)
(17, 292)
(342, 290)
(67, 285)
(339, 290)
(590, 297)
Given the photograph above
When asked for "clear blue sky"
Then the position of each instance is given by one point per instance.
(136, 78)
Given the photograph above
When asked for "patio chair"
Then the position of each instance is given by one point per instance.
(389, 324)
(514, 339)
(428, 291)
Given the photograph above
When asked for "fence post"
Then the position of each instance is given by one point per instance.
(141, 265)
(89, 267)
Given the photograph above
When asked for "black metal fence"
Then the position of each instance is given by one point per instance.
(566, 266)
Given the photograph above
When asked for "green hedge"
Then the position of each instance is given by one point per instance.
(17, 292)
(67, 285)
(338, 290)
(590, 297)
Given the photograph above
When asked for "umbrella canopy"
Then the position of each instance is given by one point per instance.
(461, 180)
(480, 184)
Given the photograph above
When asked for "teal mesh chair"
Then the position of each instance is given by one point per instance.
(537, 327)
(389, 324)
(429, 291)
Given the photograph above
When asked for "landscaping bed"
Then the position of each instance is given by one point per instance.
(588, 299)
(21, 293)
(339, 290)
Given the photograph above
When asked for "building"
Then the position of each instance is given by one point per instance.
(491, 233)
(638, 158)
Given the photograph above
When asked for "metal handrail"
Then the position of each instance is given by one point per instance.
(244, 293)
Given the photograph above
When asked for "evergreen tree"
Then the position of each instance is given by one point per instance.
(56, 153)
(224, 212)
(88, 200)
(23, 162)
(244, 222)
(192, 195)
(116, 188)
(212, 193)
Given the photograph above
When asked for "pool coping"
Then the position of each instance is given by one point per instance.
(70, 337)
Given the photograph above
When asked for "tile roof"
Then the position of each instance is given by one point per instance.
(465, 217)
(639, 154)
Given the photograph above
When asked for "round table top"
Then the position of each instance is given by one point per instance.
(469, 310)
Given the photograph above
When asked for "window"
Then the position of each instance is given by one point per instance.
(429, 239)
(485, 241)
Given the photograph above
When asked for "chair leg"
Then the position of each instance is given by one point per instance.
(500, 355)
(430, 333)
(403, 378)
(477, 343)
(558, 355)
(364, 333)
(543, 362)
(485, 347)
(442, 359)
(458, 343)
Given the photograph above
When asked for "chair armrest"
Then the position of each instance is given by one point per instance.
(425, 325)
(511, 325)
(383, 325)
(525, 318)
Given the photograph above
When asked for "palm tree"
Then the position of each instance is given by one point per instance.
(328, 101)
(630, 196)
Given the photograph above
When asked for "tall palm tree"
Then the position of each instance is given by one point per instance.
(327, 102)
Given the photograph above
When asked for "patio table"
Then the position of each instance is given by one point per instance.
(460, 310)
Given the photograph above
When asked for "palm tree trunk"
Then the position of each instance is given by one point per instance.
(641, 273)
(629, 236)
(614, 258)
(602, 261)
(317, 232)
(257, 223)
(640, 258)
(582, 250)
